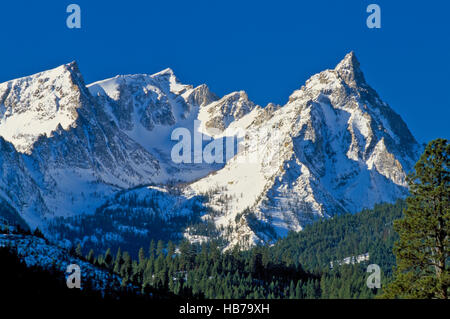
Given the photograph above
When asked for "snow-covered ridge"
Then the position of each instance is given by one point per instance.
(39, 104)
(35, 251)
(69, 148)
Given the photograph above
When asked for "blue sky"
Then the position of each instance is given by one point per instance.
(267, 48)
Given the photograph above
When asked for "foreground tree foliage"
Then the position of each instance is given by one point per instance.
(422, 251)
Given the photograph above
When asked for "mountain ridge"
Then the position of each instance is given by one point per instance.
(334, 147)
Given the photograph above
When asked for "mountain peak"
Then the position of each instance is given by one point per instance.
(201, 95)
(167, 71)
(350, 59)
(72, 64)
(37, 104)
(349, 70)
(237, 95)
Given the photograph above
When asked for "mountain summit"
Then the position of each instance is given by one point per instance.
(349, 70)
(36, 105)
(334, 147)
(68, 149)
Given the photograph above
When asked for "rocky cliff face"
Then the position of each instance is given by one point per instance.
(67, 148)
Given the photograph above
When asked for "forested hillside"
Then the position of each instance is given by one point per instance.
(342, 236)
(297, 266)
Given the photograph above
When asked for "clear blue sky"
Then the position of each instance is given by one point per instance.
(267, 48)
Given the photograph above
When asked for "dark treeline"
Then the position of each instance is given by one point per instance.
(48, 285)
(203, 271)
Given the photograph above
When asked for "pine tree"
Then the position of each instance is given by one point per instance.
(117, 261)
(422, 251)
(160, 248)
(148, 273)
(90, 256)
(78, 251)
(298, 290)
(292, 290)
(125, 269)
(151, 250)
(186, 255)
(170, 249)
(141, 256)
(108, 258)
(170, 253)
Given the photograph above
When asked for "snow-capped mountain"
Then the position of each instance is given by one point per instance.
(68, 145)
(334, 147)
(67, 149)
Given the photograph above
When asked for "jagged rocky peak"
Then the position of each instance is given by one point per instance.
(349, 70)
(166, 75)
(121, 86)
(163, 82)
(266, 113)
(386, 122)
(235, 104)
(334, 147)
(239, 95)
(152, 99)
(36, 105)
(174, 85)
(229, 108)
(342, 98)
(201, 95)
(165, 72)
